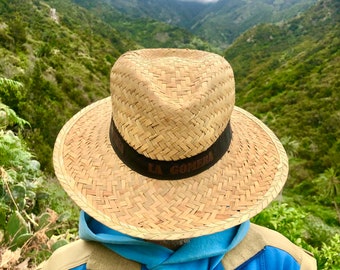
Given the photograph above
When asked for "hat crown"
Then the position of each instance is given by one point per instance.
(171, 104)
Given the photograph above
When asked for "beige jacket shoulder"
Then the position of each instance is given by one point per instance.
(97, 257)
(256, 239)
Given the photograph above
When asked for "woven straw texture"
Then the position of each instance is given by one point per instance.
(247, 178)
(179, 101)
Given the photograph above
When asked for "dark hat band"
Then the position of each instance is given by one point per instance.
(169, 170)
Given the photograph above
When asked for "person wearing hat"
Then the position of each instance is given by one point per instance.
(168, 172)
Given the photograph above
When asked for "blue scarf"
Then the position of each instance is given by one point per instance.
(201, 253)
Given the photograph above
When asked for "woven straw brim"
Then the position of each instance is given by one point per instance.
(235, 189)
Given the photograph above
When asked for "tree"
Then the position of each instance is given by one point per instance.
(328, 186)
(18, 32)
(11, 92)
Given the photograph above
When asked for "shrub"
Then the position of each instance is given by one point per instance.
(304, 230)
(28, 228)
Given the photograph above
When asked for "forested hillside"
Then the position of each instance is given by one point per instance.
(63, 53)
(63, 63)
(288, 75)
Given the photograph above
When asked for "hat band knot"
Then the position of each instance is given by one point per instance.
(174, 169)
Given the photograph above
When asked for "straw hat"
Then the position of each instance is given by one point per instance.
(169, 156)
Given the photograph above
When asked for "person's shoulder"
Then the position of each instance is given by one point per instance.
(69, 256)
(257, 239)
(93, 254)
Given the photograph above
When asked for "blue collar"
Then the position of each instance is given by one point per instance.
(204, 252)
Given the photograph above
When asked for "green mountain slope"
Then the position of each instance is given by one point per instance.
(288, 75)
(63, 62)
(63, 53)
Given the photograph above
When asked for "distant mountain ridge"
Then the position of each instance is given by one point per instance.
(175, 12)
(130, 19)
(221, 23)
(218, 23)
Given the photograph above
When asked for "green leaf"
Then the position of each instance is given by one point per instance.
(64, 216)
(22, 239)
(19, 191)
(44, 220)
(16, 226)
(58, 244)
